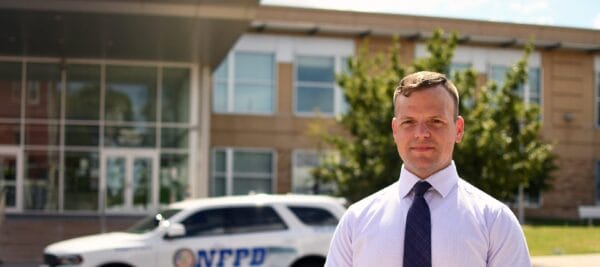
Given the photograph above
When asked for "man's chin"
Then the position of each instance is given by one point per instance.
(423, 169)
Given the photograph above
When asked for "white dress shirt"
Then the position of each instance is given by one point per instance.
(469, 228)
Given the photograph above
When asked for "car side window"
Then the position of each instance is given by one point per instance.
(253, 219)
(314, 216)
(235, 220)
(206, 222)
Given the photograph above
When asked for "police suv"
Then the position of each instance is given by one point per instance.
(256, 230)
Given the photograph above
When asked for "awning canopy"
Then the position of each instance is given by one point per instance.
(178, 31)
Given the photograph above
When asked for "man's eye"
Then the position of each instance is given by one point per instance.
(437, 122)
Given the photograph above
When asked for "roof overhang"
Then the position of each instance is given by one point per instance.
(307, 21)
(170, 30)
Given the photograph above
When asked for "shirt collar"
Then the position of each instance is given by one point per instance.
(442, 181)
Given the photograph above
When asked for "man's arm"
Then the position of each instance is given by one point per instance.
(507, 242)
(340, 249)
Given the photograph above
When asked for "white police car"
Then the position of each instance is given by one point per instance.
(257, 230)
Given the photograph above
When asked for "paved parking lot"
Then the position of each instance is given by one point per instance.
(585, 260)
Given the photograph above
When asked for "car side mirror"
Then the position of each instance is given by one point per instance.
(175, 230)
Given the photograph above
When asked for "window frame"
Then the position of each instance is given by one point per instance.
(229, 225)
(296, 153)
(62, 147)
(230, 84)
(229, 174)
(293, 208)
(527, 94)
(338, 95)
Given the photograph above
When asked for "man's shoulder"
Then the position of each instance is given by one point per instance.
(474, 196)
(375, 201)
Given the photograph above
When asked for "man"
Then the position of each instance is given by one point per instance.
(430, 216)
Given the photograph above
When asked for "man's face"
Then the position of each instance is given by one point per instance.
(425, 131)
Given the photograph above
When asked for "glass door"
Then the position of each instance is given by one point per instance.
(129, 181)
(10, 173)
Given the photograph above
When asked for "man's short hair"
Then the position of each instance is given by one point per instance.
(423, 80)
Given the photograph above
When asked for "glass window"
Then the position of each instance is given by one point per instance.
(254, 98)
(174, 137)
(219, 172)
(142, 183)
(253, 219)
(343, 102)
(303, 181)
(8, 180)
(82, 135)
(252, 162)
(10, 90)
(130, 94)
(175, 94)
(314, 99)
(252, 80)
(497, 73)
(530, 93)
(40, 188)
(83, 92)
(220, 81)
(314, 216)
(129, 136)
(43, 91)
(174, 175)
(42, 134)
(81, 181)
(220, 96)
(238, 220)
(534, 83)
(204, 223)
(252, 172)
(315, 81)
(456, 67)
(115, 182)
(315, 69)
(10, 134)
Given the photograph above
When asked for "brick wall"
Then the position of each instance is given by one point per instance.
(23, 237)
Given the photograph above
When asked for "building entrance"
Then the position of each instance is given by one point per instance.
(129, 180)
(10, 178)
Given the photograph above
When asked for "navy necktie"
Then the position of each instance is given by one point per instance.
(417, 237)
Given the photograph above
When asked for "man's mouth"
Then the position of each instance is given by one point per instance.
(421, 148)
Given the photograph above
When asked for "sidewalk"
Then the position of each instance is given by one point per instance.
(583, 260)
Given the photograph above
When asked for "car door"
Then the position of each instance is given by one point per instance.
(260, 231)
(230, 236)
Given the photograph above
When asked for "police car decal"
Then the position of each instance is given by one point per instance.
(184, 258)
(220, 257)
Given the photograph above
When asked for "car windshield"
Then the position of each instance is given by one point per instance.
(151, 222)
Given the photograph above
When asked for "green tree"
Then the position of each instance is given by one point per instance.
(501, 150)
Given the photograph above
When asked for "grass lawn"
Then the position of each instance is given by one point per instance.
(562, 239)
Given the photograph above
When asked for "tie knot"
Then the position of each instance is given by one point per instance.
(420, 188)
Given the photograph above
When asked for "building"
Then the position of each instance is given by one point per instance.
(111, 108)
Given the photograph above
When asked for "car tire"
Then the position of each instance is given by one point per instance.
(310, 262)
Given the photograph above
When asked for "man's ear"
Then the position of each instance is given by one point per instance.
(460, 129)
(394, 127)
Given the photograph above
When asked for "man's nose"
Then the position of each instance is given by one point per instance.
(422, 131)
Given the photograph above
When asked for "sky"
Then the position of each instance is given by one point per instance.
(564, 13)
